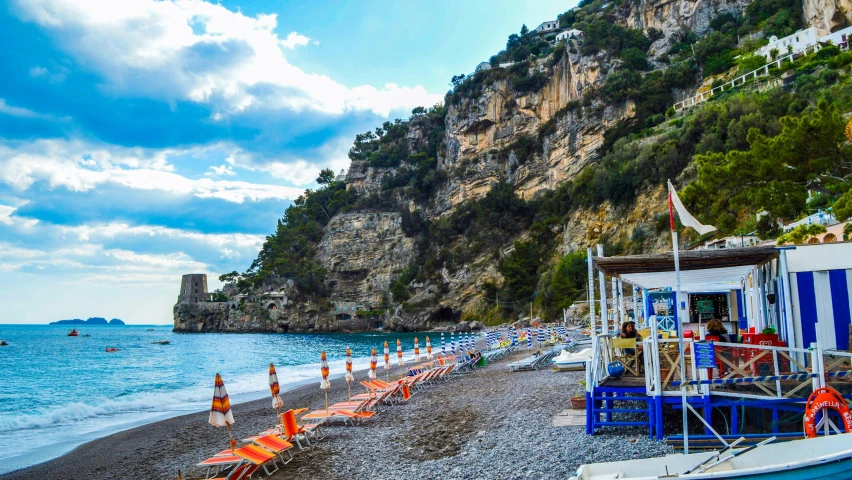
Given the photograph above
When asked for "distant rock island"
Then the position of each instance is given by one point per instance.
(89, 321)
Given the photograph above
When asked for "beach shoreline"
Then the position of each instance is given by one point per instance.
(486, 424)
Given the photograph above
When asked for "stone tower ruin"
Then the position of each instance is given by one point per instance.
(193, 288)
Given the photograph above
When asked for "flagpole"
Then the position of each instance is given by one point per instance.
(679, 327)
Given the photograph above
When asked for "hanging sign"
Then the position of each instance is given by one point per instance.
(705, 356)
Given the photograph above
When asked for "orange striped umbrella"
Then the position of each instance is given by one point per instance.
(324, 383)
(387, 360)
(428, 349)
(416, 350)
(348, 376)
(274, 388)
(399, 352)
(373, 363)
(220, 412)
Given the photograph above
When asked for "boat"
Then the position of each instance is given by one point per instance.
(812, 458)
(3, 343)
(112, 349)
(570, 361)
(160, 342)
(150, 330)
(86, 335)
(74, 332)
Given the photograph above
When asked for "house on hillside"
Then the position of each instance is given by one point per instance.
(482, 66)
(546, 27)
(795, 43)
(839, 38)
(573, 33)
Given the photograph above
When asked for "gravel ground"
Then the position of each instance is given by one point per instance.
(488, 424)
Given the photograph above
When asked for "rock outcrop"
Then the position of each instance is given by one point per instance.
(828, 15)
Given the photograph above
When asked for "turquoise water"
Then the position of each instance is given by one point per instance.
(57, 392)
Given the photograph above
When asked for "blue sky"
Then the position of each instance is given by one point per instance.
(144, 139)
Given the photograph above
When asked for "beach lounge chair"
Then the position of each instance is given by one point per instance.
(276, 445)
(223, 459)
(258, 456)
(242, 471)
(293, 432)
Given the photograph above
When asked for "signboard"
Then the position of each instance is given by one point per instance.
(705, 306)
(705, 356)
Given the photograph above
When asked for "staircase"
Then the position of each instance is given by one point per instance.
(608, 404)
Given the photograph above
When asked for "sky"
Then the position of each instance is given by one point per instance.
(141, 140)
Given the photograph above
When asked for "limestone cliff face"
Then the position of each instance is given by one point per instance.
(828, 15)
(671, 16)
(363, 253)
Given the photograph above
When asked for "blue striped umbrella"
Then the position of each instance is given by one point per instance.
(443, 345)
(453, 343)
(514, 334)
(529, 339)
(541, 337)
(561, 329)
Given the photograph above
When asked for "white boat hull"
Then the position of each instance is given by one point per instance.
(816, 458)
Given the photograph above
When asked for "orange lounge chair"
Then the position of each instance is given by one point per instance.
(242, 471)
(223, 459)
(293, 432)
(276, 445)
(258, 456)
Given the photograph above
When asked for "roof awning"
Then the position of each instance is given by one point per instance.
(700, 270)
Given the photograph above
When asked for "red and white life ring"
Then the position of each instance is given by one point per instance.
(821, 399)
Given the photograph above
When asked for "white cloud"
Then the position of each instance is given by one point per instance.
(8, 218)
(16, 111)
(81, 167)
(220, 170)
(294, 40)
(204, 53)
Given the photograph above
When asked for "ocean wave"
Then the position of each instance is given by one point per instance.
(191, 398)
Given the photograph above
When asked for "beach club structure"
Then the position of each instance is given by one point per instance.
(787, 313)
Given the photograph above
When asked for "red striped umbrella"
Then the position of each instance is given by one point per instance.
(324, 383)
(399, 352)
(428, 349)
(274, 388)
(373, 363)
(416, 350)
(220, 412)
(349, 377)
(387, 360)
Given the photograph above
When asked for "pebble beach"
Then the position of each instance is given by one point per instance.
(488, 424)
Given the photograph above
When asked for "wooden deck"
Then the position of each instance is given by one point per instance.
(624, 381)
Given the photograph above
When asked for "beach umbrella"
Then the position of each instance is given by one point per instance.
(416, 350)
(514, 334)
(387, 360)
(428, 350)
(443, 345)
(529, 339)
(275, 389)
(399, 352)
(541, 338)
(349, 377)
(220, 412)
(324, 383)
(453, 343)
(373, 363)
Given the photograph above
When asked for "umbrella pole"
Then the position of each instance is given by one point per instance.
(326, 402)
(231, 436)
(349, 394)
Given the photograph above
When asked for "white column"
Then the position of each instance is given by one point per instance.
(602, 285)
(787, 305)
(614, 285)
(621, 311)
(591, 287)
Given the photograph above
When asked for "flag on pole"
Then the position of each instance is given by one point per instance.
(685, 217)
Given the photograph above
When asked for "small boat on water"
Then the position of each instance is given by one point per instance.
(813, 458)
(112, 349)
(150, 330)
(74, 333)
(3, 343)
(160, 342)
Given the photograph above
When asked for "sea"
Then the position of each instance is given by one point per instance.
(57, 392)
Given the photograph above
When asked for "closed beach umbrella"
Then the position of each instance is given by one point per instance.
(387, 359)
(453, 343)
(324, 383)
(428, 350)
(399, 352)
(220, 412)
(529, 339)
(416, 350)
(514, 336)
(443, 345)
(541, 338)
(349, 377)
(373, 362)
(274, 388)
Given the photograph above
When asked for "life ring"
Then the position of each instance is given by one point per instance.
(825, 398)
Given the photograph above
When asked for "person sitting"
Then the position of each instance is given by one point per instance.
(628, 330)
(714, 327)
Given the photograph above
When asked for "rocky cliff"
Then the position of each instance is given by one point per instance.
(828, 15)
(385, 257)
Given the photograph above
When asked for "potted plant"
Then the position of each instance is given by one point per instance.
(578, 400)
